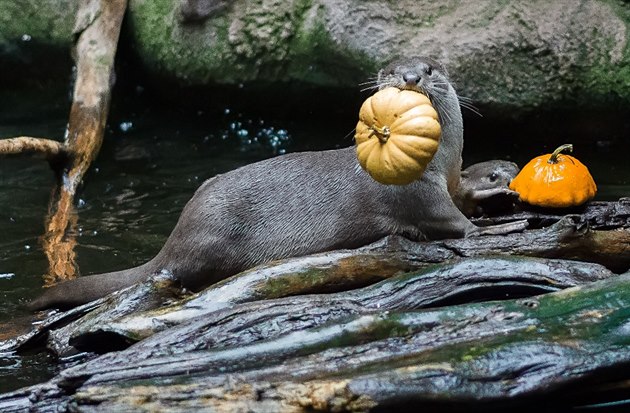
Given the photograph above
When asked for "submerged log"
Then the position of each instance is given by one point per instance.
(564, 346)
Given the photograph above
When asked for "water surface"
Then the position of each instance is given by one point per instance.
(152, 161)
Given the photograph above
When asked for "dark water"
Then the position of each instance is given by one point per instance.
(152, 161)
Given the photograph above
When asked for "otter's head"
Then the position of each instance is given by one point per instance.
(423, 75)
(416, 73)
(489, 174)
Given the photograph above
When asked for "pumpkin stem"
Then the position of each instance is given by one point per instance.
(554, 156)
(381, 133)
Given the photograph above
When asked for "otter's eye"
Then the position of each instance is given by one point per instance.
(429, 71)
(493, 176)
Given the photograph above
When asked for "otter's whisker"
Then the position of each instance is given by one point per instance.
(369, 82)
(349, 134)
(374, 87)
(466, 103)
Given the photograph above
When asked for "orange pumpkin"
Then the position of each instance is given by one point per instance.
(397, 135)
(555, 180)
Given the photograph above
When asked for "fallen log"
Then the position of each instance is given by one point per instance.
(477, 279)
(599, 215)
(562, 346)
(343, 270)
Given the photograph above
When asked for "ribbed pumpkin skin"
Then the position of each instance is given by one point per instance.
(414, 135)
(564, 184)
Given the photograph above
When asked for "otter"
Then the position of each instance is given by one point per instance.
(305, 203)
(483, 188)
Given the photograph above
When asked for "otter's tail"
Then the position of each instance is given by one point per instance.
(82, 290)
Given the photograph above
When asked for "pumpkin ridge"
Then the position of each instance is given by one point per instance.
(555, 180)
(423, 110)
(414, 135)
(402, 156)
(424, 127)
(409, 147)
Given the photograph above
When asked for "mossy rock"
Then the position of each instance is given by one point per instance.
(502, 54)
(35, 40)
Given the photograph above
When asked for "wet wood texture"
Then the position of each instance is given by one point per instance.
(47, 148)
(97, 28)
(393, 325)
(565, 346)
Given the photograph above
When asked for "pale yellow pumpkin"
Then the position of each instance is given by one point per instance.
(397, 135)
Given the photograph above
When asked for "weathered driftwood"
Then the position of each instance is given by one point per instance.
(343, 351)
(495, 354)
(598, 214)
(343, 270)
(97, 27)
(322, 273)
(49, 149)
(447, 284)
(339, 271)
(158, 290)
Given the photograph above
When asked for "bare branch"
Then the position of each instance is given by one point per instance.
(26, 145)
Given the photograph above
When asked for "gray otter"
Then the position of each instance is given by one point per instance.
(483, 188)
(304, 203)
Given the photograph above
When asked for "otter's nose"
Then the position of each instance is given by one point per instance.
(411, 78)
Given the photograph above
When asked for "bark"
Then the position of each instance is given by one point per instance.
(135, 314)
(49, 149)
(97, 28)
(477, 279)
(597, 214)
(366, 348)
(343, 270)
(567, 347)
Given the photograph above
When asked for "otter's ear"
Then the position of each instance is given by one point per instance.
(465, 174)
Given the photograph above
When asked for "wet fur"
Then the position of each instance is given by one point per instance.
(484, 187)
(301, 204)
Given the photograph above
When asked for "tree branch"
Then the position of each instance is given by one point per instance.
(49, 149)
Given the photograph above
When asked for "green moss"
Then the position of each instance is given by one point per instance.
(268, 45)
(48, 22)
(35, 42)
(316, 57)
(298, 282)
(387, 326)
(608, 83)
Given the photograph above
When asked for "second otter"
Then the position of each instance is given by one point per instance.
(483, 188)
(304, 203)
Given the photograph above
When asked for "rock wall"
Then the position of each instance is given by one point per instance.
(505, 53)
(501, 53)
(35, 40)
